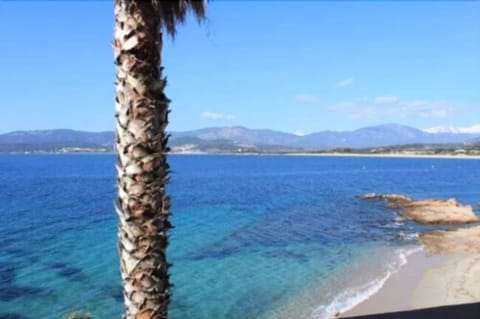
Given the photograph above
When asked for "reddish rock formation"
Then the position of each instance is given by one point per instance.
(429, 211)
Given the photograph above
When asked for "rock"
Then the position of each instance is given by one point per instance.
(391, 200)
(388, 197)
(439, 212)
(430, 211)
(466, 240)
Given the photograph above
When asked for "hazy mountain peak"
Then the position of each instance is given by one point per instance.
(391, 127)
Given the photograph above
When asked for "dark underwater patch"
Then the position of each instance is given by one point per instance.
(15, 252)
(7, 274)
(67, 271)
(10, 291)
(286, 254)
(12, 316)
(215, 253)
(118, 295)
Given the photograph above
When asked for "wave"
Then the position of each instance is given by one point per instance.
(351, 297)
(399, 218)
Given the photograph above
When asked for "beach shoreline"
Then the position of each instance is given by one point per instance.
(360, 281)
(446, 271)
(394, 295)
(425, 281)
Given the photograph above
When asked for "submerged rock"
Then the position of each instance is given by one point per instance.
(386, 196)
(429, 211)
(391, 200)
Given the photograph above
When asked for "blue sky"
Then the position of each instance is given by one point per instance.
(291, 66)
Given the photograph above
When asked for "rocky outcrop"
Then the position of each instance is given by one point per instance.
(430, 211)
(466, 240)
(391, 200)
(440, 212)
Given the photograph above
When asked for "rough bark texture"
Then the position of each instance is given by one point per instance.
(142, 170)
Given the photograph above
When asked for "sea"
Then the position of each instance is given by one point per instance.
(255, 237)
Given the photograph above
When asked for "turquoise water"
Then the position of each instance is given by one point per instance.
(255, 236)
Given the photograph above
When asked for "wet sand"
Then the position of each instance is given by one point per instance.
(447, 272)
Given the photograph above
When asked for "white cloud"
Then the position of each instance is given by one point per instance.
(214, 116)
(474, 129)
(392, 108)
(470, 129)
(307, 98)
(426, 109)
(356, 110)
(344, 83)
(300, 133)
(386, 100)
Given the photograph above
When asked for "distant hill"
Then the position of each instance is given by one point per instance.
(238, 138)
(240, 134)
(56, 140)
(58, 136)
(372, 136)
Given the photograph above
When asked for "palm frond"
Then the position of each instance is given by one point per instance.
(171, 13)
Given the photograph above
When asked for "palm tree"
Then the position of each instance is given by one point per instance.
(141, 142)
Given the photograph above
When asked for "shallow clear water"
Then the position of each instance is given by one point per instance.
(255, 236)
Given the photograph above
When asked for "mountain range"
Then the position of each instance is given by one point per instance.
(232, 138)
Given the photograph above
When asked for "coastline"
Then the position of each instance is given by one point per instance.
(426, 281)
(388, 155)
(395, 294)
(360, 282)
(333, 154)
(446, 272)
(299, 154)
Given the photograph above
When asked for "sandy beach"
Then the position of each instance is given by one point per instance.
(446, 272)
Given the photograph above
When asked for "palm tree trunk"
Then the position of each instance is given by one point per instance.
(142, 169)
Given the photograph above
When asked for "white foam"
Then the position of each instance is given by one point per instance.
(398, 218)
(408, 236)
(353, 296)
(392, 225)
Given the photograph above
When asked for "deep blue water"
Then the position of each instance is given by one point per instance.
(255, 236)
